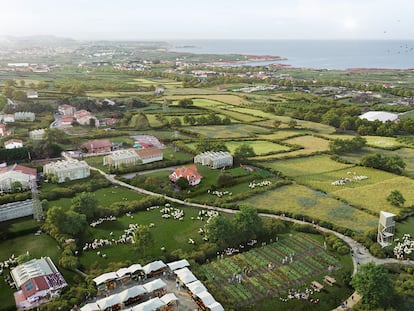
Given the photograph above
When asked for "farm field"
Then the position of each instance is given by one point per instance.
(374, 196)
(310, 144)
(260, 147)
(301, 200)
(309, 263)
(382, 142)
(306, 166)
(407, 154)
(282, 134)
(228, 131)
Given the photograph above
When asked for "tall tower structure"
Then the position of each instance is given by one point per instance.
(386, 229)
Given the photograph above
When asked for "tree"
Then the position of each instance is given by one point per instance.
(16, 186)
(247, 223)
(225, 180)
(175, 122)
(374, 284)
(143, 238)
(140, 121)
(182, 183)
(220, 230)
(244, 151)
(185, 102)
(394, 164)
(92, 122)
(85, 203)
(396, 198)
(292, 124)
(277, 123)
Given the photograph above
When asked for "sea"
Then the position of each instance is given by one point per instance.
(316, 54)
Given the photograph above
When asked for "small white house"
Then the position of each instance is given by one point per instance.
(214, 159)
(13, 143)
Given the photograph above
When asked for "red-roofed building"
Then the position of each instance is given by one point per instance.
(16, 173)
(66, 120)
(97, 146)
(188, 172)
(13, 143)
(39, 281)
(148, 155)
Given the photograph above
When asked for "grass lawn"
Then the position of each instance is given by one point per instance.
(228, 131)
(105, 197)
(254, 112)
(310, 145)
(382, 142)
(302, 200)
(306, 166)
(260, 147)
(406, 226)
(169, 233)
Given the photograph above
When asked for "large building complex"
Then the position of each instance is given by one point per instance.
(67, 169)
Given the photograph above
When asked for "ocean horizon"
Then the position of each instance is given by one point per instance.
(316, 54)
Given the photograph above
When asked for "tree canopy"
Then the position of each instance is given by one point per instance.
(374, 284)
(396, 198)
(244, 151)
(394, 164)
(85, 203)
(143, 238)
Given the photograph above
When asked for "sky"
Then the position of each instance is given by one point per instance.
(209, 19)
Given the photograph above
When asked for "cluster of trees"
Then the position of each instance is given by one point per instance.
(396, 198)
(210, 145)
(244, 226)
(394, 164)
(209, 119)
(339, 146)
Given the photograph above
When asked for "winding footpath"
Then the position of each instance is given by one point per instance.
(360, 254)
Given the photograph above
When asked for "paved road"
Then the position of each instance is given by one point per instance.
(360, 254)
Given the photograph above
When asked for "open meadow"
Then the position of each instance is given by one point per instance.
(228, 131)
(301, 200)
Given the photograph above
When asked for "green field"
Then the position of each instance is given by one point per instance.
(374, 196)
(407, 154)
(306, 166)
(302, 200)
(283, 134)
(228, 131)
(169, 233)
(260, 147)
(382, 142)
(310, 145)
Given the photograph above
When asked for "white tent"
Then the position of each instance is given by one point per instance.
(196, 287)
(131, 292)
(90, 307)
(154, 285)
(109, 301)
(185, 275)
(206, 298)
(167, 298)
(134, 268)
(105, 277)
(178, 264)
(149, 305)
(153, 266)
(216, 306)
(122, 272)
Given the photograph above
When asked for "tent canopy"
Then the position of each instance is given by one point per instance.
(153, 266)
(121, 272)
(178, 264)
(196, 287)
(154, 285)
(167, 298)
(109, 301)
(216, 306)
(149, 305)
(134, 268)
(90, 307)
(105, 277)
(131, 292)
(185, 275)
(206, 298)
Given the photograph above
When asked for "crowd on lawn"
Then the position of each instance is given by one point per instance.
(297, 294)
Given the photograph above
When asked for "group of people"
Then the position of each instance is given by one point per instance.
(297, 294)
